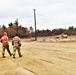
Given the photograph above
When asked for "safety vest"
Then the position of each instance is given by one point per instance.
(4, 39)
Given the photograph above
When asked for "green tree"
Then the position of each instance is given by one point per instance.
(71, 30)
(48, 32)
(16, 22)
(3, 27)
(10, 25)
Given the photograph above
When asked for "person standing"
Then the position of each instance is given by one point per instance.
(5, 44)
(16, 46)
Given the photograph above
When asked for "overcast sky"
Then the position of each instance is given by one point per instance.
(50, 14)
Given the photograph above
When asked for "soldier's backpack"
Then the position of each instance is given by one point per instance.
(16, 42)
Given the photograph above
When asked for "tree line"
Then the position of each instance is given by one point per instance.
(13, 29)
(70, 31)
(23, 32)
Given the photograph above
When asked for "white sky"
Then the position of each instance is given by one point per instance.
(50, 14)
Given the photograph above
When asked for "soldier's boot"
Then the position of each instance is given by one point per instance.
(20, 55)
(13, 55)
(3, 55)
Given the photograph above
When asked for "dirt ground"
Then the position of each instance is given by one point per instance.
(41, 58)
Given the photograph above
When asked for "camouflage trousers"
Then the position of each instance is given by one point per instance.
(6, 46)
(14, 50)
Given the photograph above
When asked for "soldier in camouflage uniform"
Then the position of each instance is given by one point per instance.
(5, 44)
(16, 45)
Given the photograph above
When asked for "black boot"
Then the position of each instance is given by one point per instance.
(3, 55)
(13, 55)
(20, 55)
(10, 54)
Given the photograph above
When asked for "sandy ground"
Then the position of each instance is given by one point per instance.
(41, 58)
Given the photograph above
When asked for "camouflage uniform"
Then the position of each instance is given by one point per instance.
(5, 45)
(16, 46)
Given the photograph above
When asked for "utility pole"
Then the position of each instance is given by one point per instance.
(35, 24)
